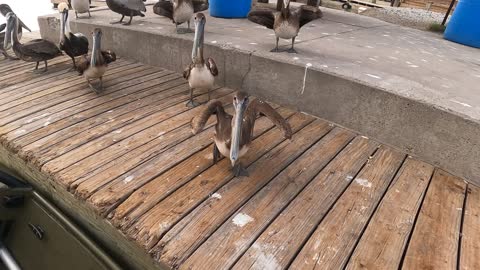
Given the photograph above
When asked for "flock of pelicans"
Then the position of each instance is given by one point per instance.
(233, 134)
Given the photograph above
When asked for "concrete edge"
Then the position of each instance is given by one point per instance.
(444, 138)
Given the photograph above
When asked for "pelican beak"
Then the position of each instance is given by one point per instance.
(240, 107)
(24, 26)
(199, 34)
(97, 37)
(7, 43)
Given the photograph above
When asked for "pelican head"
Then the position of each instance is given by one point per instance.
(5, 9)
(11, 25)
(63, 9)
(240, 104)
(197, 51)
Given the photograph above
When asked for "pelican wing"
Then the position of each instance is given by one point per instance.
(132, 4)
(2, 26)
(212, 66)
(164, 8)
(307, 14)
(83, 64)
(262, 17)
(199, 5)
(261, 107)
(40, 46)
(212, 107)
(188, 69)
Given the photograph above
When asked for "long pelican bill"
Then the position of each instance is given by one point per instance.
(240, 106)
(97, 35)
(198, 39)
(24, 25)
(11, 24)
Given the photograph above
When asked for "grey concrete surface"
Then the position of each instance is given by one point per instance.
(404, 87)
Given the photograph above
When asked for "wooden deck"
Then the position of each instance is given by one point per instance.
(327, 199)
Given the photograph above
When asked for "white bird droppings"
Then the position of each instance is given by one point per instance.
(461, 103)
(214, 41)
(128, 179)
(373, 76)
(253, 43)
(305, 76)
(368, 46)
(363, 182)
(373, 59)
(295, 58)
(242, 219)
(46, 124)
(413, 66)
(216, 196)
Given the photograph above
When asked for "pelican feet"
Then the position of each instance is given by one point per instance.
(291, 50)
(275, 50)
(238, 170)
(98, 88)
(192, 104)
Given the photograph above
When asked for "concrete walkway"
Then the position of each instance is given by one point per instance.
(405, 87)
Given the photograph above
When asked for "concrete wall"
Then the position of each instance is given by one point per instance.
(435, 135)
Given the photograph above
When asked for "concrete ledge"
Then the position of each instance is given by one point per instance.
(408, 99)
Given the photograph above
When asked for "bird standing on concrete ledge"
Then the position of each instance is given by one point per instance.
(285, 23)
(179, 11)
(127, 8)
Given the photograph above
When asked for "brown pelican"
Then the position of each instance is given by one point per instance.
(285, 23)
(127, 8)
(96, 66)
(72, 44)
(200, 73)
(4, 10)
(80, 6)
(179, 11)
(233, 134)
(37, 50)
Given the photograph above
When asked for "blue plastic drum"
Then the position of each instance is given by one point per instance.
(464, 25)
(230, 8)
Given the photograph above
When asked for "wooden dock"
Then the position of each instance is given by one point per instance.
(327, 199)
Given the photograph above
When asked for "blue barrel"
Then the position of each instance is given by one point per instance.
(464, 25)
(230, 8)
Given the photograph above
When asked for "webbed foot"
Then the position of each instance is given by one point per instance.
(291, 50)
(238, 170)
(192, 103)
(275, 50)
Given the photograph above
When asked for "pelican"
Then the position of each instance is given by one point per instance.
(179, 11)
(72, 44)
(285, 23)
(37, 50)
(96, 66)
(81, 6)
(234, 134)
(127, 8)
(200, 73)
(4, 10)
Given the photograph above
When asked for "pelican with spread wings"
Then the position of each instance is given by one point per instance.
(234, 134)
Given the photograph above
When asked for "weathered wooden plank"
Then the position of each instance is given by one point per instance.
(333, 240)
(156, 222)
(132, 90)
(50, 100)
(9, 77)
(176, 246)
(163, 185)
(229, 241)
(93, 127)
(50, 85)
(435, 238)
(35, 81)
(150, 126)
(135, 164)
(292, 228)
(470, 249)
(384, 241)
(120, 102)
